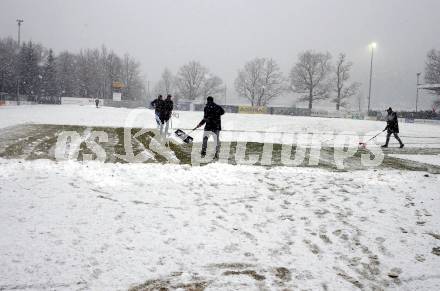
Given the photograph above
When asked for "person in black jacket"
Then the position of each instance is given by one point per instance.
(392, 127)
(213, 124)
(165, 114)
(157, 104)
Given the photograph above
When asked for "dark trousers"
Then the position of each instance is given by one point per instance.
(216, 136)
(389, 133)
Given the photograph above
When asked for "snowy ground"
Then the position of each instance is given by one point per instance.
(106, 227)
(110, 226)
(426, 159)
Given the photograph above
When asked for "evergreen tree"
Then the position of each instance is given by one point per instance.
(49, 86)
(89, 73)
(8, 59)
(30, 77)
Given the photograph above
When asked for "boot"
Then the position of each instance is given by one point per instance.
(387, 141)
(400, 141)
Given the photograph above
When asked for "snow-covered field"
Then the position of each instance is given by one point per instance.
(427, 159)
(110, 226)
(247, 127)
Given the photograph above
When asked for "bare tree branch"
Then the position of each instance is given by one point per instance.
(309, 74)
(339, 82)
(432, 72)
(260, 81)
(194, 81)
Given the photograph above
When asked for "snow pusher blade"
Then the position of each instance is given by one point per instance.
(363, 145)
(183, 136)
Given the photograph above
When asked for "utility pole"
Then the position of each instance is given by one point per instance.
(225, 93)
(19, 22)
(417, 91)
(373, 46)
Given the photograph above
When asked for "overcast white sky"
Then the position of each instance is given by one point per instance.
(224, 34)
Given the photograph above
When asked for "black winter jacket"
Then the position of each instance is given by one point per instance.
(212, 117)
(392, 123)
(157, 104)
(165, 110)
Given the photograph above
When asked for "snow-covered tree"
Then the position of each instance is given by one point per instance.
(109, 71)
(194, 81)
(190, 79)
(340, 82)
(212, 85)
(113, 72)
(90, 73)
(68, 84)
(168, 81)
(8, 64)
(166, 85)
(309, 76)
(87, 62)
(432, 71)
(29, 69)
(49, 77)
(133, 85)
(260, 81)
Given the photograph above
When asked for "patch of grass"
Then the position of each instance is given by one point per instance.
(401, 164)
(283, 274)
(168, 284)
(12, 151)
(434, 235)
(230, 265)
(38, 141)
(250, 273)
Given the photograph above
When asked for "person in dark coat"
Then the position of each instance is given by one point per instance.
(392, 127)
(165, 114)
(213, 124)
(157, 104)
(97, 102)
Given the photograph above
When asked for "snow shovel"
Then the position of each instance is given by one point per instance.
(364, 144)
(183, 136)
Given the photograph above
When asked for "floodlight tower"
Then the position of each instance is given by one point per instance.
(417, 92)
(19, 22)
(373, 45)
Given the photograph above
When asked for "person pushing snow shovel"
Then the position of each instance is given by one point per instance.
(157, 104)
(213, 125)
(164, 115)
(392, 127)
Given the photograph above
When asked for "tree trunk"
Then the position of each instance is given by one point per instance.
(310, 98)
(338, 100)
(3, 82)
